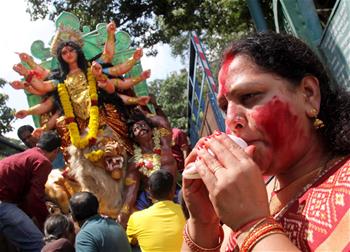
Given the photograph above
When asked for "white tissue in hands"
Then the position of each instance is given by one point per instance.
(190, 171)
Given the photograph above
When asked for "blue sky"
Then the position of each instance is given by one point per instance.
(18, 33)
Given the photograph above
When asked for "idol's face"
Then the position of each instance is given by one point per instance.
(69, 54)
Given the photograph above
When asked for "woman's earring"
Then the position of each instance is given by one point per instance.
(318, 123)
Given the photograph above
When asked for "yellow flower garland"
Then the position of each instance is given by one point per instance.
(139, 160)
(72, 126)
(94, 156)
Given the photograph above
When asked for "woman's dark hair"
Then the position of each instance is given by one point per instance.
(291, 59)
(82, 62)
(57, 226)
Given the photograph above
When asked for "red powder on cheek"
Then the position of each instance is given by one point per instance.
(280, 125)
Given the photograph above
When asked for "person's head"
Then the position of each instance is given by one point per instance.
(83, 205)
(58, 226)
(25, 134)
(69, 52)
(49, 141)
(160, 185)
(140, 128)
(270, 86)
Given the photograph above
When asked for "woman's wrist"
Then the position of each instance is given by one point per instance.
(131, 62)
(254, 231)
(250, 225)
(201, 236)
(202, 223)
(30, 111)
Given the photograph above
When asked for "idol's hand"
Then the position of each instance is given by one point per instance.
(138, 54)
(24, 57)
(143, 100)
(22, 70)
(38, 132)
(234, 181)
(96, 69)
(17, 85)
(106, 85)
(196, 195)
(111, 27)
(145, 74)
(102, 84)
(21, 114)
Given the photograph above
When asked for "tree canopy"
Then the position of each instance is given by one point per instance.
(150, 22)
(6, 113)
(171, 95)
(167, 21)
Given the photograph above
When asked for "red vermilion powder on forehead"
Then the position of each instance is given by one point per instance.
(224, 72)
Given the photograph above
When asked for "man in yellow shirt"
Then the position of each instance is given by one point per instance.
(158, 228)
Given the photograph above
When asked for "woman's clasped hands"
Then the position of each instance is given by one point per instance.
(231, 188)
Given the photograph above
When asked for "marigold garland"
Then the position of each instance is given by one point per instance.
(146, 166)
(94, 156)
(72, 126)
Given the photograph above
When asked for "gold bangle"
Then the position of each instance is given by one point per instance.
(195, 247)
(103, 78)
(136, 80)
(31, 63)
(259, 232)
(30, 111)
(132, 100)
(256, 222)
(125, 209)
(150, 115)
(53, 86)
(164, 132)
(129, 181)
(45, 127)
(131, 62)
(110, 38)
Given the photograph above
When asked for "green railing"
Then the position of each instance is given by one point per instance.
(300, 18)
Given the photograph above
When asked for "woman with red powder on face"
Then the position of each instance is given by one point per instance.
(278, 98)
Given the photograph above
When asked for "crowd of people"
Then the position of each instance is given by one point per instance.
(288, 190)
(109, 145)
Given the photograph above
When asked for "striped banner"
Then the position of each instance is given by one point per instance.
(203, 60)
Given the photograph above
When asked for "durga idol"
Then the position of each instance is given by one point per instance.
(93, 122)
